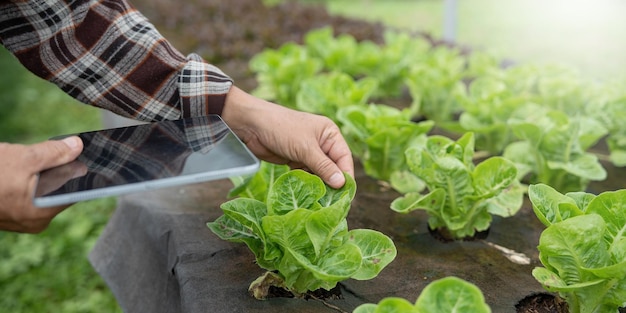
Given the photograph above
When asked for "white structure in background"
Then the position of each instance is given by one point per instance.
(450, 20)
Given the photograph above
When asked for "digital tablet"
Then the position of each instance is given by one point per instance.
(131, 159)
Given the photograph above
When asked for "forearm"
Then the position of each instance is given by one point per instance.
(107, 54)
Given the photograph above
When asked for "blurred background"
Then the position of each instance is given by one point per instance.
(587, 34)
(49, 272)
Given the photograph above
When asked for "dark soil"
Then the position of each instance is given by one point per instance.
(444, 235)
(542, 303)
(277, 292)
(320, 294)
(545, 303)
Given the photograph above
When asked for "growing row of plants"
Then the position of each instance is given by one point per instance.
(549, 112)
(465, 145)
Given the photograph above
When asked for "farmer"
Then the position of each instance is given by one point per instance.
(107, 54)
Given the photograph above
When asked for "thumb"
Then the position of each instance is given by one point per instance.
(53, 153)
(327, 170)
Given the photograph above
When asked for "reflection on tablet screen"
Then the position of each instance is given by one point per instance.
(162, 154)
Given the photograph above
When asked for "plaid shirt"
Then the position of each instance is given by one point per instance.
(107, 54)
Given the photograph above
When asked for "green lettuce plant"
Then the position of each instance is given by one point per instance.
(399, 53)
(525, 92)
(280, 72)
(615, 111)
(556, 87)
(337, 53)
(388, 62)
(300, 235)
(483, 64)
(609, 109)
(552, 148)
(449, 294)
(327, 93)
(486, 110)
(461, 196)
(378, 135)
(435, 83)
(583, 248)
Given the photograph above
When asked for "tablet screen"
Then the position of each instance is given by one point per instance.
(143, 157)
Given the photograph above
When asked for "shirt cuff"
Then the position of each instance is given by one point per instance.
(202, 87)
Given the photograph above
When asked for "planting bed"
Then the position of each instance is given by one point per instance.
(170, 247)
(162, 241)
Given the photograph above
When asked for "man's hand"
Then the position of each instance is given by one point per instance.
(19, 168)
(283, 136)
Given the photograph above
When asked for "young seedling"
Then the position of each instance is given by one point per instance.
(300, 235)
(461, 196)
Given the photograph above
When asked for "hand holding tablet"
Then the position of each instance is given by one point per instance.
(157, 155)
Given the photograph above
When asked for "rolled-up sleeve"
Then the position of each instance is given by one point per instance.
(107, 54)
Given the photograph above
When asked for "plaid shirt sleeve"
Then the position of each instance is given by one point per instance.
(105, 53)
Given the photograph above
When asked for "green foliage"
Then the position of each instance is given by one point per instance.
(461, 196)
(486, 111)
(388, 63)
(339, 53)
(327, 93)
(583, 248)
(280, 72)
(435, 84)
(449, 294)
(609, 110)
(257, 186)
(379, 135)
(498, 98)
(49, 272)
(299, 230)
(398, 56)
(552, 148)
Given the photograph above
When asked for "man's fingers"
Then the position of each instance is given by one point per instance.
(52, 179)
(34, 224)
(334, 159)
(320, 164)
(53, 153)
(341, 155)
